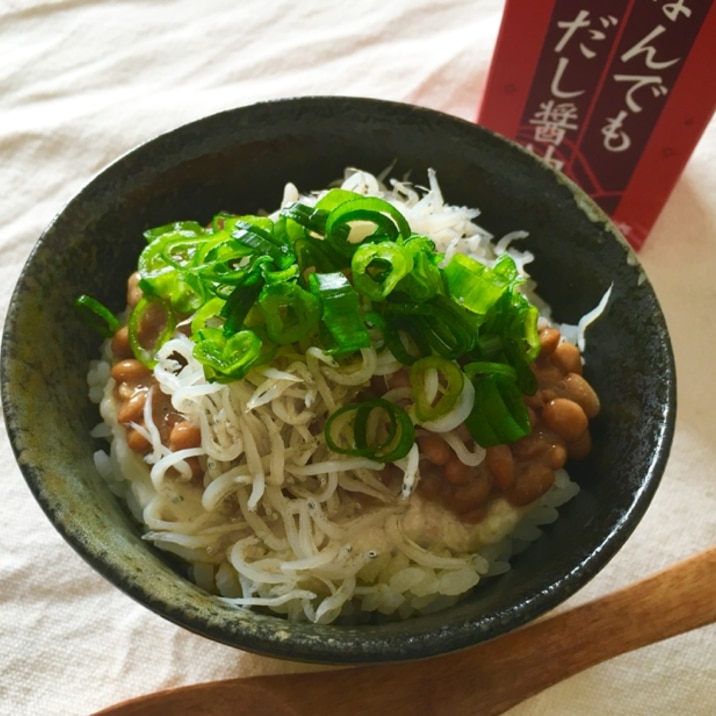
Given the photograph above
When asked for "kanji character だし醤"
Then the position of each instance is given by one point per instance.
(616, 95)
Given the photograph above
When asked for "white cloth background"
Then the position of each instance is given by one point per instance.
(82, 81)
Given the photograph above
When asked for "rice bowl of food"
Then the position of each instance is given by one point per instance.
(366, 382)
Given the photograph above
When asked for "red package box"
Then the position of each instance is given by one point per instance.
(615, 94)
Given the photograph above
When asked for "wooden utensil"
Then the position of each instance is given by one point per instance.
(486, 679)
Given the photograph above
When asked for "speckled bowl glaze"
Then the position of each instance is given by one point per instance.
(239, 160)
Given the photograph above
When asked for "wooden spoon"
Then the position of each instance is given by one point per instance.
(487, 679)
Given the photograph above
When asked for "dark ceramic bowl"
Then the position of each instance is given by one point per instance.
(241, 159)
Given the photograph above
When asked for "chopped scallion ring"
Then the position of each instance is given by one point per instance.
(378, 430)
(98, 315)
(378, 268)
(448, 379)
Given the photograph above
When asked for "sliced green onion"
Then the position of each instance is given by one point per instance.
(439, 322)
(506, 267)
(206, 315)
(510, 335)
(341, 314)
(480, 368)
(227, 358)
(259, 237)
(522, 336)
(377, 268)
(227, 265)
(247, 285)
(448, 383)
(153, 316)
(273, 277)
(182, 289)
(165, 267)
(290, 312)
(499, 413)
(404, 338)
(472, 285)
(169, 251)
(333, 198)
(479, 426)
(388, 222)
(311, 219)
(313, 254)
(221, 221)
(424, 279)
(98, 316)
(379, 430)
(176, 228)
(238, 304)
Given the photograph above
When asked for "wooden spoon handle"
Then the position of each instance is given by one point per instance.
(676, 600)
(486, 679)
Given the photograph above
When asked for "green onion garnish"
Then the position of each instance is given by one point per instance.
(499, 414)
(341, 315)
(378, 268)
(97, 315)
(290, 312)
(389, 223)
(437, 384)
(227, 358)
(377, 429)
(339, 275)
